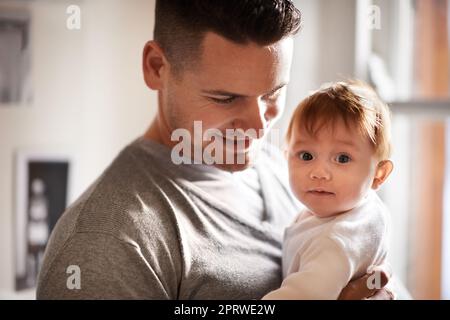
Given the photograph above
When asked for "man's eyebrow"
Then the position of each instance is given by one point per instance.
(222, 93)
(238, 95)
(277, 88)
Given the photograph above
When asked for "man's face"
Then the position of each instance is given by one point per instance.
(331, 172)
(233, 87)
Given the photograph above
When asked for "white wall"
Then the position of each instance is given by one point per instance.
(324, 50)
(89, 97)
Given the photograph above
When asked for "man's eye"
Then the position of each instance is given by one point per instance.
(223, 101)
(305, 156)
(343, 158)
(273, 96)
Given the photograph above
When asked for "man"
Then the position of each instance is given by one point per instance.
(149, 228)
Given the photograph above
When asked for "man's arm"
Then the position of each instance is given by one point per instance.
(110, 268)
(359, 290)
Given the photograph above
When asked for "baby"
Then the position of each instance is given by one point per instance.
(338, 151)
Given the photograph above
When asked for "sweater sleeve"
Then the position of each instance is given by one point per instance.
(324, 271)
(109, 268)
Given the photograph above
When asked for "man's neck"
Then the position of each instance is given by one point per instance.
(157, 132)
(153, 133)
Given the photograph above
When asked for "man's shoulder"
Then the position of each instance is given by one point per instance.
(123, 213)
(124, 200)
(271, 158)
(275, 162)
(272, 153)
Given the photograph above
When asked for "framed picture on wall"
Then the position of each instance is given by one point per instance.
(42, 189)
(15, 56)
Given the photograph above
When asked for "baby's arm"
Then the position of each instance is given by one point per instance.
(324, 271)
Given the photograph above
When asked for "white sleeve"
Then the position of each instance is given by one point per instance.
(324, 272)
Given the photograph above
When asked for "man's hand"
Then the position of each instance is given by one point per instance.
(359, 290)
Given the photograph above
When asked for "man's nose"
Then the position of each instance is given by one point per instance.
(257, 116)
(320, 172)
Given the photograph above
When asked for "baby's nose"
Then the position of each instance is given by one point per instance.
(320, 173)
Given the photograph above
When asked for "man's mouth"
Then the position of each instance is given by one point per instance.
(241, 143)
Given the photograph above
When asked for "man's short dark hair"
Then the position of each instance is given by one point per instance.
(180, 25)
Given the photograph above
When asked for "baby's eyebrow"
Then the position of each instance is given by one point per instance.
(304, 141)
(346, 142)
(300, 142)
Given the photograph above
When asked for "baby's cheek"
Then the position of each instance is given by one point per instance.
(295, 186)
(295, 182)
(353, 196)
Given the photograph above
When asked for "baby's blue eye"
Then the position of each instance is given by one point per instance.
(343, 158)
(305, 156)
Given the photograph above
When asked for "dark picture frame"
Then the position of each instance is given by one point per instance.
(42, 190)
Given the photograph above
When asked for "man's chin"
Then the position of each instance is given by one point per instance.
(233, 167)
(239, 163)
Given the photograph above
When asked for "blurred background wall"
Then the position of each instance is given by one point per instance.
(88, 97)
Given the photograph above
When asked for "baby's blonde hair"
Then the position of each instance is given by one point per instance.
(354, 102)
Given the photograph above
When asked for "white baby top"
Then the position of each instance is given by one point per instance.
(321, 255)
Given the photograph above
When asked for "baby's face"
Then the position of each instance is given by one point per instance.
(332, 172)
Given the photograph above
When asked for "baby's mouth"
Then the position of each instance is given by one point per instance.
(320, 192)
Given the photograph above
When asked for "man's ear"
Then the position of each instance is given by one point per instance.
(383, 170)
(154, 65)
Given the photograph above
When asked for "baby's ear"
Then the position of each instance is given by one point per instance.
(383, 170)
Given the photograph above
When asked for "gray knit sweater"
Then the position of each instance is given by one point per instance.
(144, 230)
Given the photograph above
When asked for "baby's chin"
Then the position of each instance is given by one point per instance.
(327, 213)
(321, 212)
(324, 214)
